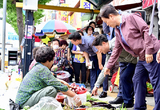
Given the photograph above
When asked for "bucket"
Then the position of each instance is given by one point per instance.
(82, 96)
(63, 75)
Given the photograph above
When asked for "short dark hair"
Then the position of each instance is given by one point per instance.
(63, 42)
(99, 39)
(96, 33)
(92, 22)
(88, 28)
(56, 40)
(159, 34)
(44, 54)
(81, 32)
(148, 23)
(106, 10)
(75, 36)
(34, 52)
(49, 41)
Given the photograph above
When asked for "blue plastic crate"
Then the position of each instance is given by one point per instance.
(79, 84)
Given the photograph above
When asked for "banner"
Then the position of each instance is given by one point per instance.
(64, 14)
(86, 5)
(148, 3)
(58, 15)
(75, 20)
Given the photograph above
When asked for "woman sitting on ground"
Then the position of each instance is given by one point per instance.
(39, 81)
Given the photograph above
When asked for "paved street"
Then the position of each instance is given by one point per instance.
(11, 93)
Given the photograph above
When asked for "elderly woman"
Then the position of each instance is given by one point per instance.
(39, 81)
(59, 59)
(89, 31)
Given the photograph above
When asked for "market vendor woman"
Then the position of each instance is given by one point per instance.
(39, 81)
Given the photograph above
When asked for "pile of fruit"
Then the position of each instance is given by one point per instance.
(61, 74)
(77, 89)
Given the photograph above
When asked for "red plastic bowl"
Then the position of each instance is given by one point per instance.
(60, 98)
(80, 108)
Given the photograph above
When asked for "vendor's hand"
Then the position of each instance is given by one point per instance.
(149, 58)
(158, 56)
(94, 91)
(54, 67)
(106, 71)
(100, 66)
(77, 100)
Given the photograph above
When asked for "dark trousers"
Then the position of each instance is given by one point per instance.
(126, 84)
(77, 68)
(70, 70)
(93, 71)
(105, 82)
(139, 80)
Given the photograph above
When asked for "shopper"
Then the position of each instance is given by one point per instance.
(127, 67)
(132, 34)
(90, 52)
(59, 59)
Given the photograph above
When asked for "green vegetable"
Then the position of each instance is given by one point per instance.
(88, 104)
(149, 86)
(101, 101)
(97, 108)
(88, 95)
(90, 98)
(123, 108)
(26, 107)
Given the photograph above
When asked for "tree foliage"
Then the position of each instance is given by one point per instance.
(11, 16)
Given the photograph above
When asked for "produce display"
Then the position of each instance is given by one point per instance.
(90, 98)
(97, 108)
(88, 104)
(61, 74)
(91, 104)
(77, 89)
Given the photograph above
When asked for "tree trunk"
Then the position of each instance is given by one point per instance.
(20, 24)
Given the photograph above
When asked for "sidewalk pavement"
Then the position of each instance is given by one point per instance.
(111, 96)
(11, 93)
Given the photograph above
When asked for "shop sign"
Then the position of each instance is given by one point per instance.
(147, 3)
(86, 5)
(64, 14)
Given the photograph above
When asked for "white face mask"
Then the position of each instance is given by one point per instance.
(55, 47)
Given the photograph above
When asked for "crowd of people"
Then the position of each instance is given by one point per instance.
(125, 44)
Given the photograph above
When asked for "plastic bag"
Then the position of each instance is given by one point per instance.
(13, 106)
(47, 103)
(62, 74)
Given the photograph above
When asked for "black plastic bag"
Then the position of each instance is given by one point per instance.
(13, 106)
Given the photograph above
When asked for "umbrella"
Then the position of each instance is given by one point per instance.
(56, 25)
